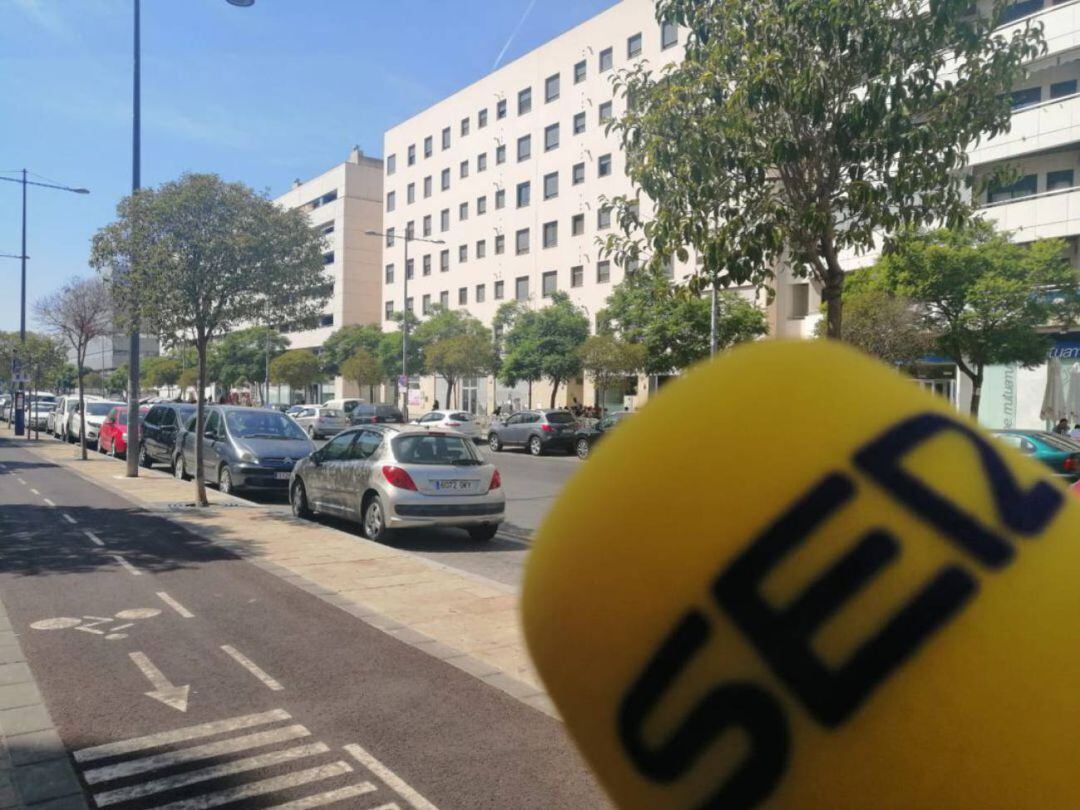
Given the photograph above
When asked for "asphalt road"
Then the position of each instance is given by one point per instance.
(289, 699)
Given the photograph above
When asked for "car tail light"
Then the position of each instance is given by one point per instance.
(496, 480)
(376, 419)
(546, 428)
(1072, 464)
(397, 477)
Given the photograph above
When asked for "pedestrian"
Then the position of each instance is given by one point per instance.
(435, 405)
(1062, 427)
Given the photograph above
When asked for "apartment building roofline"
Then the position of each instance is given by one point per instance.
(356, 157)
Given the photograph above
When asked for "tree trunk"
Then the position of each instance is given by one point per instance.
(976, 392)
(530, 395)
(833, 289)
(554, 392)
(449, 391)
(81, 355)
(200, 418)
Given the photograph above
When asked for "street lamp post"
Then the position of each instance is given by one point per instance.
(136, 171)
(20, 405)
(405, 309)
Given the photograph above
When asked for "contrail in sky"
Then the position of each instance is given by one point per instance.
(513, 34)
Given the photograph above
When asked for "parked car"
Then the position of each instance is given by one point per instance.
(346, 405)
(159, 430)
(393, 477)
(293, 410)
(5, 404)
(60, 425)
(1060, 453)
(587, 436)
(320, 421)
(114, 434)
(31, 399)
(458, 421)
(96, 412)
(37, 416)
(243, 448)
(539, 431)
(367, 414)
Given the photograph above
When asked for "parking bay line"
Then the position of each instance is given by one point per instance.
(93, 537)
(131, 569)
(70, 519)
(273, 785)
(395, 782)
(48, 502)
(252, 667)
(168, 600)
(33, 490)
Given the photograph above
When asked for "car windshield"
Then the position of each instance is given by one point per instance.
(417, 448)
(186, 412)
(43, 406)
(121, 416)
(258, 424)
(99, 408)
(560, 418)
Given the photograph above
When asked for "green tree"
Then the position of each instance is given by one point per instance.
(797, 130)
(673, 324)
(211, 257)
(545, 343)
(43, 357)
(117, 380)
(297, 368)
(364, 369)
(450, 358)
(160, 372)
(189, 378)
(239, 358)
(983, 297)
(388, 353)
(344, 343)
(67, 377)
(882, 323)
(609, 361)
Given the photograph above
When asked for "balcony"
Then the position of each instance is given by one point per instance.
(1061, 29)
(1040, 216)
(1037, 128)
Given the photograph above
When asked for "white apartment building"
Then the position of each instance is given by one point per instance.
(342, 204)
(511, 173)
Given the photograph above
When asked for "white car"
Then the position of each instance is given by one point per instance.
(320, 421)
(96, 411)
(457, 421)
(59, 422)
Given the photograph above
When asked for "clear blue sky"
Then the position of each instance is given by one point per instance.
(262, 95)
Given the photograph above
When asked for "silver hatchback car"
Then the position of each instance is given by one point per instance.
(400, 476)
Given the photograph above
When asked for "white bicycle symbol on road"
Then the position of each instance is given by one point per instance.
(90, 624)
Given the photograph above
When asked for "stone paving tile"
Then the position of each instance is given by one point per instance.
(14, 673)
(16, 695)
(46, 780)
(10, 653)
(24, 720)
(38, 746)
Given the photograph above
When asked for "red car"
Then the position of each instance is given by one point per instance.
(113, 437)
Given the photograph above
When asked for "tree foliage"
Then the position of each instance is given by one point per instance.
(297, 368)
(44, 357)
(454, 344)
(160, 371)
(239, 357)
(344, 343)
(544, 343)
(609, 361)
(882, 323)
(797, 130)
(117, 381)
(363, 368)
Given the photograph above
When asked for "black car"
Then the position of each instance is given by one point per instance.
(587, 436)
(538, 431)
(368, 414)
(160, 426)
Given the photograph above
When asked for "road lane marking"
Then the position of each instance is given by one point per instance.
(106, 750)
(87, 629)
(261, 788)
(93, 537)
(204, 774)
(395, 782)
(70, 519)
(168, 600)
(33, 490)
(332, 796)
(50, 503)
(131, 569)
(206, 751)
(164, 690)
(252, 667)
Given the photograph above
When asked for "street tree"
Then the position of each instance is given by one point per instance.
(545, 343)
(450, 359)
(983, 298)
(297, 368)
(673, 323)
(882, 323)
(240, 357)
(43, 357)
(117, 380)
(516, 363)
(189, 378)
(388, 352)
(363, 368)
(161, 372)
(78, 313)
(344, 342)
(609, 362)
(213, 257)
(798, 131)
(66, 378)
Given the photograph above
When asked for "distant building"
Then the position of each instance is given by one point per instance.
(106, 354)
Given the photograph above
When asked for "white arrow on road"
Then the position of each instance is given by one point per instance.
(174, 696)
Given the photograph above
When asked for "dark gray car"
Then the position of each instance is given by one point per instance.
(537, 431)
(243, 448)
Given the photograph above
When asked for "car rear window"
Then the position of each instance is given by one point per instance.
(99, 408)
(388, 412)
(1058, 442)
(428, 449)
(461, 417)
(560, 417)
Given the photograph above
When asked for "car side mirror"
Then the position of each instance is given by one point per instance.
(316, 458)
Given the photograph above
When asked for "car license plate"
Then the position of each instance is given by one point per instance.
(453, 485)
(282, 476)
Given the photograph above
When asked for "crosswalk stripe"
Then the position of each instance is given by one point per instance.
(264, 787)
(204, 774)
(332, 796)
(96, 752)
(396, 783)
(205, 751)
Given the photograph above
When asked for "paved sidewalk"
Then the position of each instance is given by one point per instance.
(469, 621)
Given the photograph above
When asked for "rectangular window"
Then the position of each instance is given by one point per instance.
(1024, 187)
(577, 225)
(577, 276)
(633, 46)
(551, 185)
(481, 162)
(800, 301)
(606, 60)
(462, 254)
(409, 304)
(463, 212)
(500, 199)
(481, 206)
(603, 165)
(444, 261)
(579, 123)
(446, 138)
(579, 72)
(500, 155)
(481, 119)
(389, 237)
(521, 242)
(391, 201)
(462, 296)
(605, 112)
(425, 265)
(500, 244)
(551, 88)
(551, 137)
(1059, 180)
(1021, 9)
(391, 164)
(425, 305)
(500, 288)
(410, 193)
(603, 218)
(669, 35)
(427, 146)
(500, 110)
(524, 148)
(523, 194)
(427, 225)
(444, 299)
(1026, 97)
(463, 169)
(444, 179)
(410, 229)
(481, 293)
(603, 272)
(444, 220)
(411, 158)
(524, 101)
(388, 310)
(389, 274)
(409, 265)
(521, 288)
(481, 248)
(427, 186)
(551, 234)
(328, 258)
(577, 174)
(1062, 89)
(464, 127)
(549, 283)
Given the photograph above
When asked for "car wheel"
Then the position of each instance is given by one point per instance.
(225, 482)
(374, 520)
(494, 443)
(144, 457)
(298, 501)
(180, 468)
(479, 533)
(536, 447)
(582, 448)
